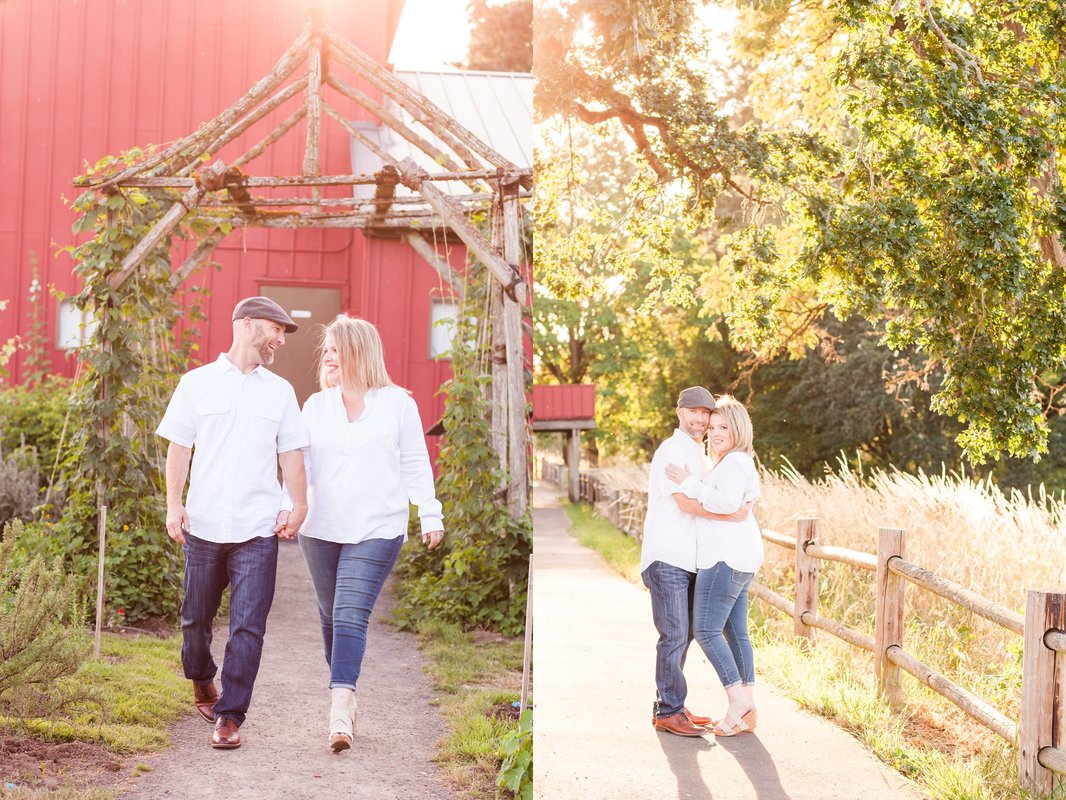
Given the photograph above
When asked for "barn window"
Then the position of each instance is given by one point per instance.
(442, 328)
(74, 326)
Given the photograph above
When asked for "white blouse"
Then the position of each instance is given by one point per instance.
(731, 483)
(361, 475)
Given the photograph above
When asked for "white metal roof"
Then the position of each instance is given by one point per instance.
(497, 107)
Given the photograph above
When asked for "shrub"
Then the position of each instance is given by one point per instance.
(516, 752)
(18, 485)
(33, 418)
(40, 620)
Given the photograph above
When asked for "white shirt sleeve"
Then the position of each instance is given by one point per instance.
(292, 431)
(415, 469)
(722, 491)
(179, 421)
(286, 498)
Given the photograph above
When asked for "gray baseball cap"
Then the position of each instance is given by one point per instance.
(695, 397)
(264, 308)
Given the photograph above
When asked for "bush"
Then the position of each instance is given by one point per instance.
(33, 418)
(18, 485)
(40, 620)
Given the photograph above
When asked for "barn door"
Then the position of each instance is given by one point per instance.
(310, 308)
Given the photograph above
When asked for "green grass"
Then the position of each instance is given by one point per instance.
(621, 552)
(124, 700)
(475, 674)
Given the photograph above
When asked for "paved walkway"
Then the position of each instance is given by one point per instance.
(284, 752)
(594, 646)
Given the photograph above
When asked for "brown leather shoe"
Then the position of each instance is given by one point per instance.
(225, 736)
(697, 720)
(205, 696)
(679, 725)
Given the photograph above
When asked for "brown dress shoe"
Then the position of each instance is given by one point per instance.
(679, 725)
(697, 720)
(205, 696)
(225, 736)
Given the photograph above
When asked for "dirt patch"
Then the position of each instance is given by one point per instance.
(37, 764)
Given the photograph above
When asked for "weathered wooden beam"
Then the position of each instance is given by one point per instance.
(517, 419)
(246, 122)
(260, 147)
(479, 199)
(264, 86)
(439, 264)
(395, 124)
(197, 257)
(357, 134)
(806, 578)
(888, 622)
(302, 180)
(398, 224)
(420, 107)
(452, 213)
(163, 226)
(313, 106)
(384, 193)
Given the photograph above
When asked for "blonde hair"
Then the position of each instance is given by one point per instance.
(739, 423)
(360, 357)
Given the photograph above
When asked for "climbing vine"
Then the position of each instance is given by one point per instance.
(129, 367)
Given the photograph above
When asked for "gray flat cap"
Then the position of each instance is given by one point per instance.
(264, 308)
(695, 397)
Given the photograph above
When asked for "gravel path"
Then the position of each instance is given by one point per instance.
(284, 752)
(595, 649)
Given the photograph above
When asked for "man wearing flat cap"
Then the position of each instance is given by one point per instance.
(668, 562)
(235, 422)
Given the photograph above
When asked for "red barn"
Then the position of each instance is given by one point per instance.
(81, 79)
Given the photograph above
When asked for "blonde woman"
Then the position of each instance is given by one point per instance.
(367, 460)
(728, 554)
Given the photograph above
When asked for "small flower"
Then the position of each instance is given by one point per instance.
(121, 612)
(125, 527)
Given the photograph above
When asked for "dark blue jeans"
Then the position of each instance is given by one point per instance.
(720, 620)
(249, 568)
(671, 602)
(347, 580)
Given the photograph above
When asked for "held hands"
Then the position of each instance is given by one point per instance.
(177, 523)
(432, 539)
(289, 523)
(676, 474)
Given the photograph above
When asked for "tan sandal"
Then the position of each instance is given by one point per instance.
(342, 727)
(731, 726)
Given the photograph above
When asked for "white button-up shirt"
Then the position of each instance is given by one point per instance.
(236, 424)
(670, 533)
(362, 475)
(731, 483)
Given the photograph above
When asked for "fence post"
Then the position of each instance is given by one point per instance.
(574, 445)
(806, 577)
(888, 624)
(1041, 703)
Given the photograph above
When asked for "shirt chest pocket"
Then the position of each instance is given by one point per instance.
(264, 423)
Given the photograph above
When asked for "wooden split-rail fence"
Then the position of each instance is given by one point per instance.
(1040, 733)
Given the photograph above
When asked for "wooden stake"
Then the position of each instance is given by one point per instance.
(527, 649)
(102, 531)
(888, 624)
(1041, 703)
(806, 578)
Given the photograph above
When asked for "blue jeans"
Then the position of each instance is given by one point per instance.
(720, 622)
(347, 580)
(249, 568)
(671, 602)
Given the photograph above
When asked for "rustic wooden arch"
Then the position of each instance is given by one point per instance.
(222, 195)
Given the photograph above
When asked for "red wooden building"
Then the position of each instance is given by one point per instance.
(81, 79)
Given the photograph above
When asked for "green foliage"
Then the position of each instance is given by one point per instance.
(130, 367)
(501, 36)
(40, 621)
(18, 485)
(478, 579)
(33, 417)
(516, 749)
(932, 207)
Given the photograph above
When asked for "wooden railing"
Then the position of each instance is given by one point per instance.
(1039, 733)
